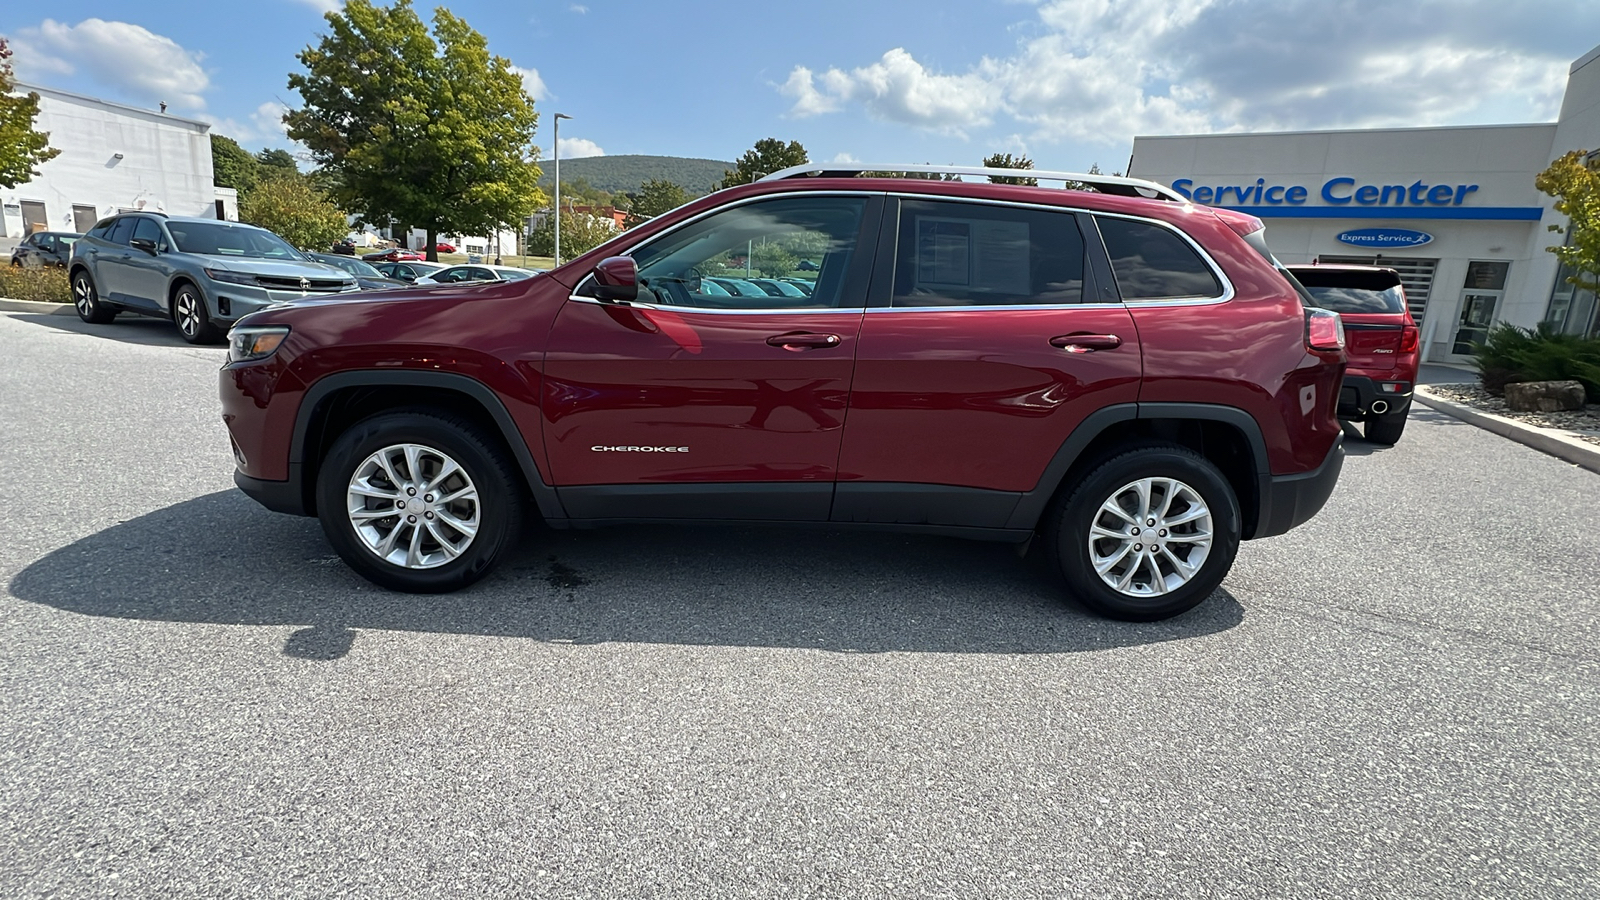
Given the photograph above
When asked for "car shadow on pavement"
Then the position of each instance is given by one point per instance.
(220, 559)
(129, 328)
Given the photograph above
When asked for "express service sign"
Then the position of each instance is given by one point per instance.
(1385, 237)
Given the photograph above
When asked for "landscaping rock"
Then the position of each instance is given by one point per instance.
(1544, 396)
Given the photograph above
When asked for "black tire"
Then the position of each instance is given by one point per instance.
(1067, 532)
(500, 506)
(87, 300)
(189, 313)
(1385, 430)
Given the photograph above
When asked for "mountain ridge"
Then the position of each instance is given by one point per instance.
(625, 172)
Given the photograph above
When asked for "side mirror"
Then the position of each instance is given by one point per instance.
(144, 244)
(616, 279)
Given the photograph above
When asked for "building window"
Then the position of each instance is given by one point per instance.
(1572, 309)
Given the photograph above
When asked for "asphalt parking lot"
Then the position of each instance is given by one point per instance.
(197, 699)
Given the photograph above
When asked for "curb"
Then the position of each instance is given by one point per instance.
(1545, 440)
(40, 307)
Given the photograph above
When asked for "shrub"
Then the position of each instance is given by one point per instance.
(1512, 354)
(35, 283)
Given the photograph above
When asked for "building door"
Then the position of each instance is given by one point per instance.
(34, 219)
(1480, 297)
(83, 218)
(1416, 276)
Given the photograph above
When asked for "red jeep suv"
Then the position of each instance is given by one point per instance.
(1127, 375)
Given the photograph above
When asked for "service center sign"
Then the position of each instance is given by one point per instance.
(1385, 237)
(1340, 191)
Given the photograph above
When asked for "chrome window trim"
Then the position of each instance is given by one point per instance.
(978, 307)
(573, 294)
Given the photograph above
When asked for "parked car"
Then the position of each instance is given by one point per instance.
(777, 288)
(44, 248)
(407, 271)
(1382, 344)
(201, 273)
(344, 248)
(739, 287)
(470, 273)
(393, 254)
(1135, 381)
(806, 265)
(369, 278)
(443, 247)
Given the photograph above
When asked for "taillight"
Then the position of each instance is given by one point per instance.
(1408, 339)
(1324, 330)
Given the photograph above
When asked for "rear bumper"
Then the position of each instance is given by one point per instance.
(1290, 500)
(1358, 392)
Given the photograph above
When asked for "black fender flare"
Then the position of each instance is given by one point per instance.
(543, 494)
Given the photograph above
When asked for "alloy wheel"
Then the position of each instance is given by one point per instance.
(1150, 537)
(187, 315)
(83, 296)
(413, 506)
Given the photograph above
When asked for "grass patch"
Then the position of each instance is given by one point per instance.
(43, 284)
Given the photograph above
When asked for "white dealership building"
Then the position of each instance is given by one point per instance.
(114, 158)
(1454, 210)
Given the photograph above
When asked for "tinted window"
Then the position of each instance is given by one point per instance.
(773, 238)
(1153, 263)
(476, 274)
(121, 230)
(150, 231)
(969, 254)
(514, 275)
(103, 228)
(1355, 291)
(222, 239)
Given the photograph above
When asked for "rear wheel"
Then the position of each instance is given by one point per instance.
(1386, 430)
(418, 501)
(189, 313)
(87, 300)
(1148, 534)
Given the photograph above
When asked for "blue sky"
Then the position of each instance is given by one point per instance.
(1068, 82)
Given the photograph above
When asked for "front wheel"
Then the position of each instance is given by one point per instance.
(1148, 534)
(1386, 430)
(87, 300)
(419, 501)
(189, 313)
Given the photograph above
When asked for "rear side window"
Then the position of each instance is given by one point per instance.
(970, 254)
(1354, 291)
(1154, 263)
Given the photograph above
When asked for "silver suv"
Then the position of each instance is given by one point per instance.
(201, 273)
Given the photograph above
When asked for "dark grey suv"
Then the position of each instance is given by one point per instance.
(201, 273)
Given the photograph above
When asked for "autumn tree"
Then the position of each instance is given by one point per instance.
(417, 128)
(1007, 161)
(1574, 180)
(767, 156)
(22, 148)
(291, 208)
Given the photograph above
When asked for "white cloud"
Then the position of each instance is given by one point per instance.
(1101, 71)
(843, 158)
(575, 148)
(532, 83)
(119, 55)
(324, 6)
(579, 8)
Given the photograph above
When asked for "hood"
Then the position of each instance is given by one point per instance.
(280, 268)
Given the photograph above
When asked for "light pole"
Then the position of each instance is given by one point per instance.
(557, 154)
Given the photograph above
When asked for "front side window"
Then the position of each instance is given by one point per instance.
(707, 263)
(1154, 263)
(969, 254)
(221, 239)
(121, 231)
(147, 229)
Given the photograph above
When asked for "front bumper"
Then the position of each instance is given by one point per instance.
(278, 496)
(1358, 392)
(1291, 500)
(235, 301)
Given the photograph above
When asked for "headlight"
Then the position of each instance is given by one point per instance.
(230, 277)
(255, 341)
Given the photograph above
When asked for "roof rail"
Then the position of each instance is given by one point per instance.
(1105, 184)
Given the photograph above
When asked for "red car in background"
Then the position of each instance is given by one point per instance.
(393, 254)
(1381, 341)
(443, 247)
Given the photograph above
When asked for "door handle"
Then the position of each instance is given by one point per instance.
(803, 340)
(1086, 343)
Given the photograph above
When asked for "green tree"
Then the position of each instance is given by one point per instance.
(277, 162)
(232, 166)
(773, 260)
(421, 129)
(1007, 161)
(767, 156)
(1574, 180)
(580, 233)
(296, 212)
(656, 197)
(21, 147)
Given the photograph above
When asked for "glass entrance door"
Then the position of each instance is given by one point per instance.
(1480, 297)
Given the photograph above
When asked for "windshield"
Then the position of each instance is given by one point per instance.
(224, 239)
(349, 264)
(514, 274)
